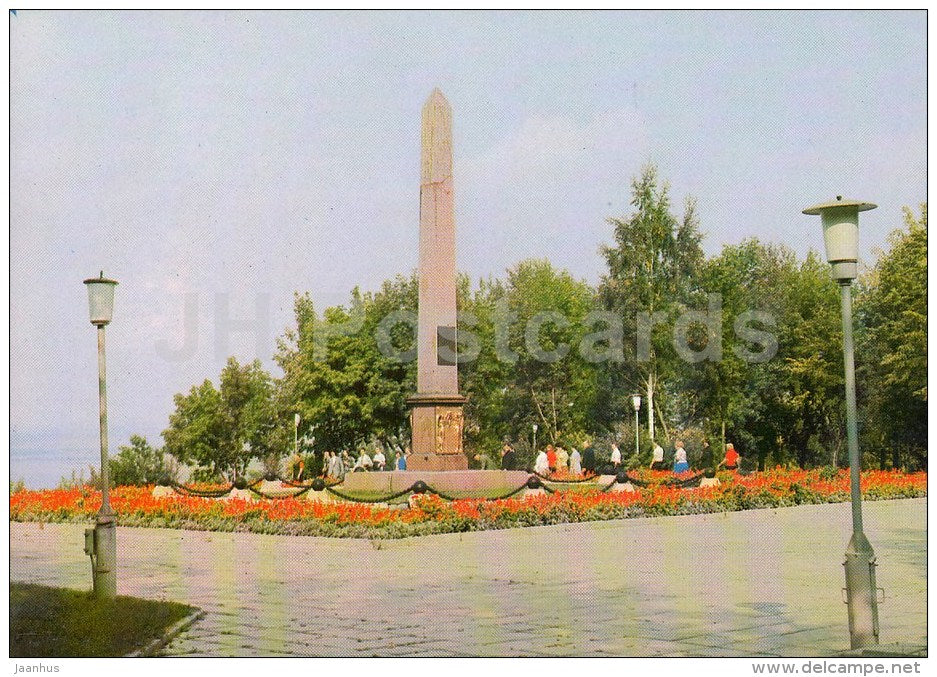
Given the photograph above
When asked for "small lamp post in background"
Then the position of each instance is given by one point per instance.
(296, 434)
(104, 544)
(840, 219)
(534, 426)
(636, 401)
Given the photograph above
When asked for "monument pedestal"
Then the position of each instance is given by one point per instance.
(437, 462)
(436, 423)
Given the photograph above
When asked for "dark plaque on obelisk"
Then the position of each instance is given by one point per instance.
(436, 417)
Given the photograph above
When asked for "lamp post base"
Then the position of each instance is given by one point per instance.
(105, 557)
(861, 592)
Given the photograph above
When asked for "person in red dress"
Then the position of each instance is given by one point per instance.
(551, 458)
(732, 459)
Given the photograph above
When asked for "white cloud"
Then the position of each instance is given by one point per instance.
(558, 150)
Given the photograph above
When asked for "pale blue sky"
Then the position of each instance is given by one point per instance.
(232, 153)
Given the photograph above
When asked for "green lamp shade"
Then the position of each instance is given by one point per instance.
(840, 219)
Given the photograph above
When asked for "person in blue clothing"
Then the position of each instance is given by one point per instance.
(679, 458)
(402, 460)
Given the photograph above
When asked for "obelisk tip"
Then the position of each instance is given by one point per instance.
(437, 98)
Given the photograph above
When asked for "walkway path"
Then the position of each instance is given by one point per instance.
(765, 582)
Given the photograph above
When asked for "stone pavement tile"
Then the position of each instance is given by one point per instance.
(764, 634)
(715, 640)
(613, 645)
(410, 643)
(222, 650)
(618, 652)
(329, 651)
(831, 633)
(387, 651)
(765, 627)
(180, 653)
(813, 642)
(509, 651)
(399, 638)
(526, 638)
(433, 653)
(764, 646)
(673, 654)
(669, 633)
(555, 652)
(715, 652)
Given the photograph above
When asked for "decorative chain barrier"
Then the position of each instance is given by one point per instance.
(258, 492)
(211, 493)
(525, 485)
(611, 484)
(200, 493)
(636, 482)
(298, 484)
(414, 488)
(689, 481)
(534, 481)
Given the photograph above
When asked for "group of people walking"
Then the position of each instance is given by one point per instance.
(730, 461)
(335, 465)
(552, 460)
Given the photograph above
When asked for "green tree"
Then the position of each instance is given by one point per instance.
(652, 274)
(790, 407)
(550, 383)
(138, 464)
(892, 355)
(222, 430)
(810, 412)
(484, 380)
(336, 376)
(195, 429)
(727, 395)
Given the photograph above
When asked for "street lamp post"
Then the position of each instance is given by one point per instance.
(840, 219)
(104, 546)
(534, 426)
(636, 401)
(296, 434)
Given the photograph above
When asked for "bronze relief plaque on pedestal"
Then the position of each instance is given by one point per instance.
(449, 430)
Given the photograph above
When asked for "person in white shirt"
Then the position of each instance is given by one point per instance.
(542, 465)
(616, 456)
(379, 460)
(575, 462)
(657, 460)
(335, 466)
(363, 463)
(679, 458)
(562, 460)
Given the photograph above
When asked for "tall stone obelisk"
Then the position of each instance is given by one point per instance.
(436, 418)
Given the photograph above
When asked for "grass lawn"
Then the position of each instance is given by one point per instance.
(58, 623)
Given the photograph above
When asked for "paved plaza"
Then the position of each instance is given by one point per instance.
(765, 583)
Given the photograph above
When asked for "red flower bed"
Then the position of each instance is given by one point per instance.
(136, 506)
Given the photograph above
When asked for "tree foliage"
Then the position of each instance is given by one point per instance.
(221, 430)
(532, 372)
(892, 307)
(138, 464)
(653, 268)
(344, 387)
